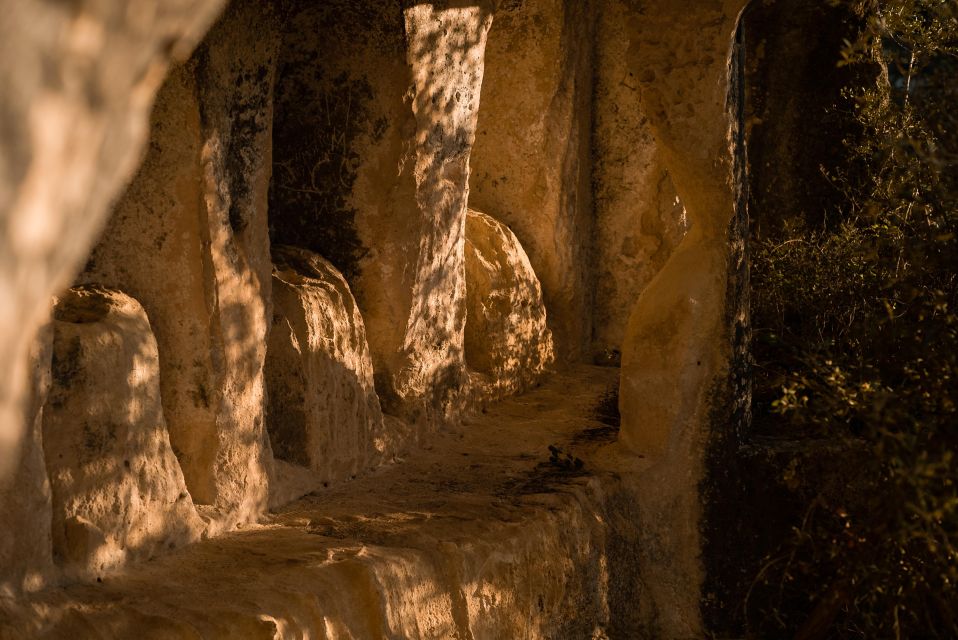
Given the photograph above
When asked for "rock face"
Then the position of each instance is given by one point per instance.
(531, 163)
(676, 348)
(189, 240)
(341, 184)
(118, 492)
(78, 81)
(26, 552)
(375, 123)
(371, 166)
(639, 217)
(508, 340)
(473, 539)
(677, 326)
(323, 409)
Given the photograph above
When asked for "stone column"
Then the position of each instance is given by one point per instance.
(375, 126)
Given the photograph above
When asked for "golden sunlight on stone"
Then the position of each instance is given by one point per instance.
(303, 306)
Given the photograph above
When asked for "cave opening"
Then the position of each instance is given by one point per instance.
(796, 127)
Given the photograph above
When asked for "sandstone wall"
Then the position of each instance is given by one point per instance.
(26, 551)
(377, 113)
(189, 240)
(639, 218)
(532, 159)
(78, 82)
(677, 344)
(340, 134)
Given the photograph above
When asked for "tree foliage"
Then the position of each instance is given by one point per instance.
(856, 336)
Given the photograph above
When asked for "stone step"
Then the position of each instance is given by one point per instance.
(483, 534)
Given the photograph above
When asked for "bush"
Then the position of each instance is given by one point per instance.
(856, 336)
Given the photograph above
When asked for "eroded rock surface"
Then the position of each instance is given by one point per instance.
(640, 218)
(675, 356)
(508, 340)
(532, 158)
(118, 492)
(323, 409)
(26, 551)
(478, 536)
(78, 82)
(189, 240)
(375, 123)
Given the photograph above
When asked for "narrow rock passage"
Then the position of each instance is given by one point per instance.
(480, 535)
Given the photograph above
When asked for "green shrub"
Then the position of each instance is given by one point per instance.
(856, 336)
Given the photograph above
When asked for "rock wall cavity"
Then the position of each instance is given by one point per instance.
(532, 158)
(189, 240)
(375, 125)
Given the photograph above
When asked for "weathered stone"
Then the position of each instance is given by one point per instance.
(26, 552)
(323, 410)
(507, 338)
(639, 216)
(446, 52)
(473, 539)
(374, 133)
(675, 344)
(189, 240)
(340, 125)
(118, 491)
(532, 158)
(676, 349)
(78, 82)
(376, 121)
